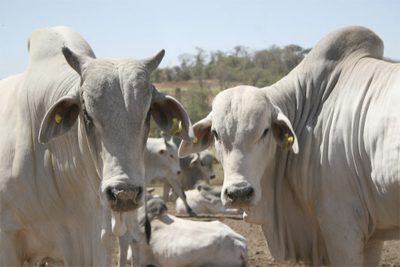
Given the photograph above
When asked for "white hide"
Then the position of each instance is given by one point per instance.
(67, 140)
(317, 153)
(177, 242)
(204, 201)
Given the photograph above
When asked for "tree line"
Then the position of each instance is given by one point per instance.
(240, 66)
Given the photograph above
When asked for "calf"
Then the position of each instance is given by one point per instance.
(204, 199)
(178, 242)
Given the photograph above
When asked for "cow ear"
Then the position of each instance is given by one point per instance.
(283, 133)
(74, 60)
(203, 138)
(59, 118)
(171, 116)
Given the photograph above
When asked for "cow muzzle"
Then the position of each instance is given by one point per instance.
(124, 198)
(238, 195)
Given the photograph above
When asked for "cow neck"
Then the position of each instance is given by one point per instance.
(67, 156)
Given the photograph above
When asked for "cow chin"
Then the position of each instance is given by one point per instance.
(253, 215)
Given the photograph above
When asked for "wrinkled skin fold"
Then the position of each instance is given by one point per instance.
(72, 147)
(314, 157)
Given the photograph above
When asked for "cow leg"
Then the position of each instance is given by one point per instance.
(179, 190)
(166, 190)
(135, 260)
(107, 237)
(343, 249)
(123, 242)
(342, 235)
(10, 249)
(372, 253)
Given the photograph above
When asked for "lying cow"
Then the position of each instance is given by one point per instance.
(204, 199)
(177, 242)
(162, 163)
(71, 125)
(314, 158)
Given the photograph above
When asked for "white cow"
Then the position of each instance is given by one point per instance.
(162, 163)
(195, 167)
(177, 242)
(70, 128)
(204, 199)
(314, 158)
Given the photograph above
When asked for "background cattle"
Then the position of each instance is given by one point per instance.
(177, 242)
(204, 199)
(72, 124)
(195, 167)
(314, 158)
(162, 164)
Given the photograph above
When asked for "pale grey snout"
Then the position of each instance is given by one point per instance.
(239, 195)
(124, 197)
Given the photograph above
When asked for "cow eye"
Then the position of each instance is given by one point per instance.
(172, 156)
(215, 134)
(264, 134)
(201, 163)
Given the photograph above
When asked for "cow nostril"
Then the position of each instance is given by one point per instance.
(212, 176)
(249, 192)
(139, 194)
(228, 194)
(178, 172)
(111, 196)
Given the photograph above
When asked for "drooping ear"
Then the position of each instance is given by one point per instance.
(74, 60)
(283, 132)
(153, 62)
(59, 118)
(171, 116)
(203, 138)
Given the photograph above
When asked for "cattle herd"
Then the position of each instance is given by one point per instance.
(314, 159)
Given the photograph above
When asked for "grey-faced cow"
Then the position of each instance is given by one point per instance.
(314, 158)
(73, 134)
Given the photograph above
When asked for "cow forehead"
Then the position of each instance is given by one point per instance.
(116, 83)
(240, 111)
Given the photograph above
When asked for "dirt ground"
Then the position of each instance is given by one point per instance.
(259, 255)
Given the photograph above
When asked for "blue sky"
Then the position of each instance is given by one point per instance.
(139, 28)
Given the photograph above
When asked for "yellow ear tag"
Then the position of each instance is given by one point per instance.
(195, 140)
(58, 118)
(176, 126)
(289, 139)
